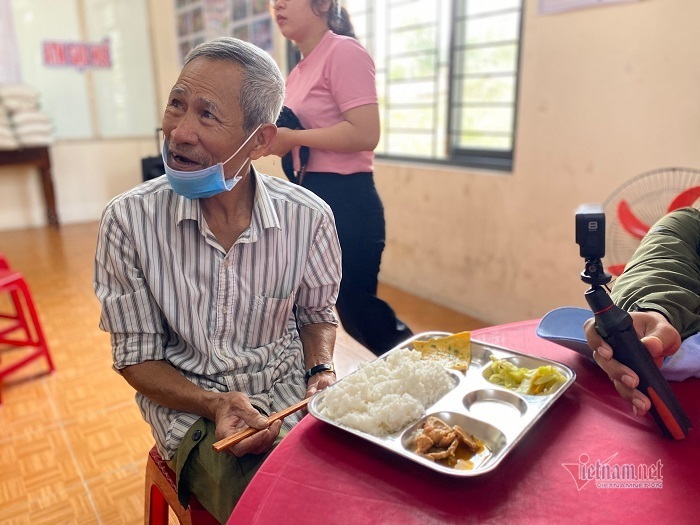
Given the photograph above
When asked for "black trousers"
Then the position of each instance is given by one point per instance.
(359, 218)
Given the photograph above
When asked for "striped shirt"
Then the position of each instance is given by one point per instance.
(170, 292)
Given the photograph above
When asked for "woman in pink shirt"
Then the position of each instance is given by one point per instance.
(333, 93)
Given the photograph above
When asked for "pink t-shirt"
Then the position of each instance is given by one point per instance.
(336, 76)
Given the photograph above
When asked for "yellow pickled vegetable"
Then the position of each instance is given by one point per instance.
(530, 381)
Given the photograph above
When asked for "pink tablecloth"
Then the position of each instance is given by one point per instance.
(321, 474)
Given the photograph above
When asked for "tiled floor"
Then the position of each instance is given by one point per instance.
(73, 445)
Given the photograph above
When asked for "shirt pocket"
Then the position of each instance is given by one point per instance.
(268, 320)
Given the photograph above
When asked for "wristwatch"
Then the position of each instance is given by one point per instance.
(323, 367)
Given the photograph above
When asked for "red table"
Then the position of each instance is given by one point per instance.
(321, 474)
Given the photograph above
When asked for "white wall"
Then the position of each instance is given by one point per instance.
(605, 94)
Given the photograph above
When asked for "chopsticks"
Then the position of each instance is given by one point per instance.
(236, 438)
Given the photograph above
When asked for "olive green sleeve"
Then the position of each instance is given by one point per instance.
(664, 272)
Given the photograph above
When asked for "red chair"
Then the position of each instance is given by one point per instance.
(161, 494)
(24, 329)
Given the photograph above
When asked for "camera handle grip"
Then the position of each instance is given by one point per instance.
(616, 327)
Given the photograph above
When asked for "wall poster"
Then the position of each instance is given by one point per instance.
(200, 20)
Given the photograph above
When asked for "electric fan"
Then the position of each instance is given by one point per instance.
(636, 205)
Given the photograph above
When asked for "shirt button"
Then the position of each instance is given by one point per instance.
(197, 434)
(224, 309)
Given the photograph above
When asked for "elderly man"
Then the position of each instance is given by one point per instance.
(217, 283)
(661, 288)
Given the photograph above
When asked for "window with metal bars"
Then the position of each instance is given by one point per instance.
(447, 77)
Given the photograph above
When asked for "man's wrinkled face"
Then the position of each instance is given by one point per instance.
(203, 123)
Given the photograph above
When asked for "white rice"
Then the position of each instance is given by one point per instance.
(387, 394)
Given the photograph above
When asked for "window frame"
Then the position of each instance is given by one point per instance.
(480, 158)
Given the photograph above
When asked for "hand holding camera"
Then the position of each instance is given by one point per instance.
(616, 328)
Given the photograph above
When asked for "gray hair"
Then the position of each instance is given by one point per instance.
(262, 90)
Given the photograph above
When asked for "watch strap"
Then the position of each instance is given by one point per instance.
(323, 367)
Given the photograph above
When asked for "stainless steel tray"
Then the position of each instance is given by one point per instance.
(496, 415)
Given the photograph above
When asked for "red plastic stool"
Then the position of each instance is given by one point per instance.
(24, 329)
(161, 494)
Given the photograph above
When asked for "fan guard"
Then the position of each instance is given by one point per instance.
(637, 204)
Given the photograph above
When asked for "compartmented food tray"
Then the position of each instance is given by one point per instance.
(497, 416)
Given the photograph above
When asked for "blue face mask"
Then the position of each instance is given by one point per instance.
(200, 184)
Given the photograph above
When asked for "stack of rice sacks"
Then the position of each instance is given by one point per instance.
(7, 136)
(22, 124)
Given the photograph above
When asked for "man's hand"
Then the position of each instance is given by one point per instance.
(234, 413)
(319, 382)
(318, 340)
(661, 340)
